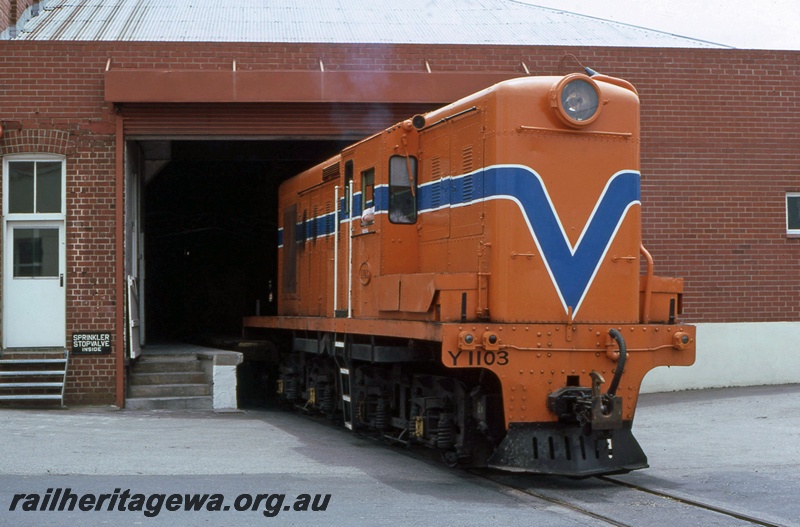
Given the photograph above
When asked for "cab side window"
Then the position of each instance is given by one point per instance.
(402, 189)
(348, 182)
(368, 188)
(368, 196)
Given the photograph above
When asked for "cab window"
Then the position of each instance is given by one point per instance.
(368, 196)
(368, 189)
(402, 189)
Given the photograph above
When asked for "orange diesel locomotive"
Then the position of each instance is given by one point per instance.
(474, 280)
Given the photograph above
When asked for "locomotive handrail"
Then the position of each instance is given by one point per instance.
(336, 250)
(571, 350)
(524, 128)
(312, 188)
(350, 255)
(411, 183)
(648, 285)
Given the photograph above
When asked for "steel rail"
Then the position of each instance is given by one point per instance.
(690, 502)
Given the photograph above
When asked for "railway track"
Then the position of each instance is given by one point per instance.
(599, 500)
(672, 508)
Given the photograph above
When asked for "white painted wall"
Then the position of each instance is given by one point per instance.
(224, 378)
(735, 354)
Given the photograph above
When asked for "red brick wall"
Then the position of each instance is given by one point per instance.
(57, 95)
(719, 151)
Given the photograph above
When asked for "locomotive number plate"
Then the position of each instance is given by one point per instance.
(478, 358)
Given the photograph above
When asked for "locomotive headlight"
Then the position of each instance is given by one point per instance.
(576, 100)
(579, 100)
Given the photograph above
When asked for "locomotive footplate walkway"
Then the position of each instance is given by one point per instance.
(734, 449)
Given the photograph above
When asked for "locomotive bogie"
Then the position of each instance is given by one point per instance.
(395, 390)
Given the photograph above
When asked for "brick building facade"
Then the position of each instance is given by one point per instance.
(719, 154)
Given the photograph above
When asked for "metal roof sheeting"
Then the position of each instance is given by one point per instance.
(460, 22)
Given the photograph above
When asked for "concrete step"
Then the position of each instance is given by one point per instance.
(168, 363)
(170, 390)
(55, 354)
(142, 379)
(32, 397)
(3, 362)
(169, 403)
(32, 373)
(179, 378)
(15, 385)
(37, 375)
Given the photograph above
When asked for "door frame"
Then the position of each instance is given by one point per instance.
(134, 249)
(34, 220)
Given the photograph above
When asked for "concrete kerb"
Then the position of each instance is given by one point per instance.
(220, 366)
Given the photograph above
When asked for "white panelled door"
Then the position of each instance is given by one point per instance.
(34, 294)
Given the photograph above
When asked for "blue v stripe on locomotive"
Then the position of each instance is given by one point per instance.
(571, 268)
(325, 223)
(451, 192)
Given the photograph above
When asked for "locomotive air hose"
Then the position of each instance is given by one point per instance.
(623, 355)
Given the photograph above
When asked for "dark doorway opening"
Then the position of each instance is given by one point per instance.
(211, 233)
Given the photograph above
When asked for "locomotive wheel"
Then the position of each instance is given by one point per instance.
(450, 458)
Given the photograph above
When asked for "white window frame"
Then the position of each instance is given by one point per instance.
(50, 216)
(792, 231)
